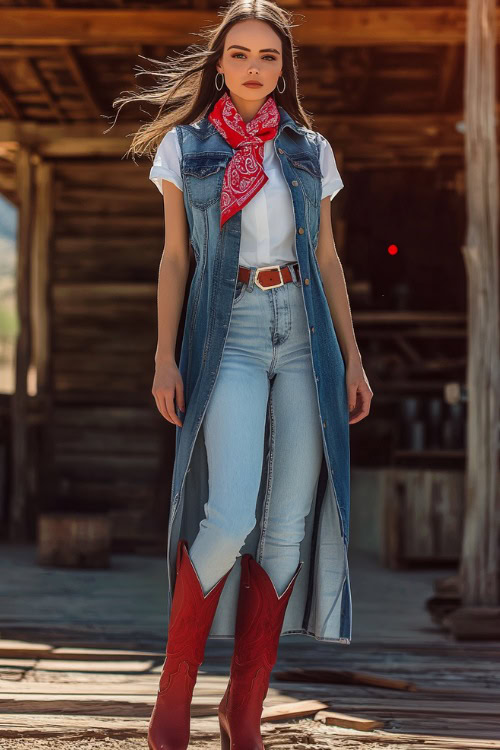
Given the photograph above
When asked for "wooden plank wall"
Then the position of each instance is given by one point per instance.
(111, 449)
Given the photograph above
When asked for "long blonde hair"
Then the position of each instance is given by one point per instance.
(185, 88)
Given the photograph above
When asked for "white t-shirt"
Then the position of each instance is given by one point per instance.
(265, 241)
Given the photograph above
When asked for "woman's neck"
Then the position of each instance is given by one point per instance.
(247, 109)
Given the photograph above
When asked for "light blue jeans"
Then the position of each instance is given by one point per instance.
(267, 356)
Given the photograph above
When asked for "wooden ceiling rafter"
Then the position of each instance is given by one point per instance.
(52, 103)
(70, 56)
(74, 65)
(8, 102)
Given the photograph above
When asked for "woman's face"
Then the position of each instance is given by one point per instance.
(252, 52)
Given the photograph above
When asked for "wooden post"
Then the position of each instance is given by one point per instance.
(479, 570)
(19, 402)
(42, 237)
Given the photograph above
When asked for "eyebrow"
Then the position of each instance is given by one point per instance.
(238, 46)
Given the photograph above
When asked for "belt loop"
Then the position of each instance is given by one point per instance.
(251, 279)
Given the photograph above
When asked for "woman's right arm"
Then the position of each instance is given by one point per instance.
(168, 388)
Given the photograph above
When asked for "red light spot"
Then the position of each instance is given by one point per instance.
(392, 249)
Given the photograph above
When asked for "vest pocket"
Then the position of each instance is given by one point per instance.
(308, 171)
(203, 174)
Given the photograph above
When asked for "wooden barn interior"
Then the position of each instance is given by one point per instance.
(80, 430)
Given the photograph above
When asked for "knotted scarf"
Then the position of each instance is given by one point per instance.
(244, 175)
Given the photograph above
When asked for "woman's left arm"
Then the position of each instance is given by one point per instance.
(359, 393)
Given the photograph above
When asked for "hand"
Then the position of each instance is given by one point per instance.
(168, 383)
(359, 393)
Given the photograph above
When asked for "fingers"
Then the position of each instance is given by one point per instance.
(179, 396)
(359, 403)
(356, 413)
(352, 396)
(170, 409)
(166, 407)
(366, 398)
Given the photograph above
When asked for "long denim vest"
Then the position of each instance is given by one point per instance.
(320, 605)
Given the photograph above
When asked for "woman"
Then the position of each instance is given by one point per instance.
(267, 385)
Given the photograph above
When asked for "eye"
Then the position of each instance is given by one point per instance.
(268, 57)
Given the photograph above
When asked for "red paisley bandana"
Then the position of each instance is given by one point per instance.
(244, 175)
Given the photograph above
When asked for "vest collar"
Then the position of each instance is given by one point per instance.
(203, 128)
(287, 122)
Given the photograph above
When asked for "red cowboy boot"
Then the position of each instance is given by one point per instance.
(190, 621)
(259, 620)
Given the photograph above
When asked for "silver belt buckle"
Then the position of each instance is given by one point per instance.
(267, 268)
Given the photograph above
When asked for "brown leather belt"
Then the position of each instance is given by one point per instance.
(268, 277)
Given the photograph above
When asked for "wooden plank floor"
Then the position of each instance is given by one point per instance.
(81, 653)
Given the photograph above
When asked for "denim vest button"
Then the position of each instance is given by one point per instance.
(301, 230)
(295, 183)
(324, 423)
(306, 281)
(312, 329)
(281, 151)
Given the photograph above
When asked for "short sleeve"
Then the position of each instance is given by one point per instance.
(331, 180)
(166, 164)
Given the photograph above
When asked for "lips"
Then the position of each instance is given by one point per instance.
(252, 84)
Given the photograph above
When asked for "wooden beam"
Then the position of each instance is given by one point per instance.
(40, 307)
(174, 27)
(404, 130)
(19, 404)
(365, 141)
(49, 52)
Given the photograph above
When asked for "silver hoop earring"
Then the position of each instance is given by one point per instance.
(284, 86)
(222, 84)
